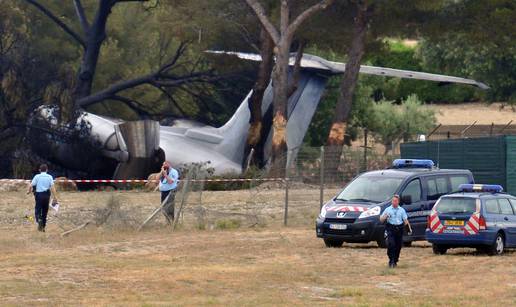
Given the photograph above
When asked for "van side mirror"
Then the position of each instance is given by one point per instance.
(406, 199)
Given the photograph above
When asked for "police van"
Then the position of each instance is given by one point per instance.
(480, 216)
(353, 215)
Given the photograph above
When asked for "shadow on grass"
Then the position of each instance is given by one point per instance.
(464, 251)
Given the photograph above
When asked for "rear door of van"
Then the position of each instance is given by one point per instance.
(416, 208)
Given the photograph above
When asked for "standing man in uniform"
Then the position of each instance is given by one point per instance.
(167, 186)
(396, 218)
(42, 184)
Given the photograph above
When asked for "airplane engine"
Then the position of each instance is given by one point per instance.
(98, 146)
(140, 139)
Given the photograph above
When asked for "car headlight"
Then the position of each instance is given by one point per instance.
(323, 211)
(370, 212)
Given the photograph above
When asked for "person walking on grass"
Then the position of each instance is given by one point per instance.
(42, 185)
(167, 185)
(396, 218)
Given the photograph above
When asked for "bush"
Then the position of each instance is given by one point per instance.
(228, 224)
(393, 123)
(251, 173)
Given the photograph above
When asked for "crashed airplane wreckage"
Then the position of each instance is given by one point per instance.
(133, 149)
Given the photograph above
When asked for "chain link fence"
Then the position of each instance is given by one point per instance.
(313, 177)
(253, 199)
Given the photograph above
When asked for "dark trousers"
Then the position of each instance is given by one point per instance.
(394, 242)
(41, 209)
(168, 207)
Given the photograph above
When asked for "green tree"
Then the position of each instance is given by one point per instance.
(475, 38)
(392, 123)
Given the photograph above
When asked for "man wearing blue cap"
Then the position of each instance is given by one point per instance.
(42, 184)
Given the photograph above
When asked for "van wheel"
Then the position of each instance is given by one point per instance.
(333, 242)
(407, 244)
(439, 249)
(498, 246)
(382, 243)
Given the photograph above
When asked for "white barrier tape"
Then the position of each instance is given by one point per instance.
(141, 180)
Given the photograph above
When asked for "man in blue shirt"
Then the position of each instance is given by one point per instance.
(396, 218)
(42, 184)
(167, 186)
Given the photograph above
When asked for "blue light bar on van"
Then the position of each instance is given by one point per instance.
(412, 163)
(489, 188)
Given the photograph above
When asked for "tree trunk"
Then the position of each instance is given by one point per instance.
(336, 136)
(256, 131)
(282, 39)
(95, 36)
(279, 122)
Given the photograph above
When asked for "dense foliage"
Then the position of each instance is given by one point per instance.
(39, 61)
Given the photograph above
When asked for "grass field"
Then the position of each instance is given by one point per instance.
(265, 265)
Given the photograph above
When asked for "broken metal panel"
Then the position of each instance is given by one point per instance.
(142, 139)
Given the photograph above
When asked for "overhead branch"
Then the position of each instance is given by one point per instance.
(57, 21)
(266, 23)
(307, 13)
(113, 90)
(79, 10)
(179, 52)
(162, 77)
(172, 100)
(133, 105)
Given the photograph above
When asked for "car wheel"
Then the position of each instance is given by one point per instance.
(407, 244)
(498, 246)
(333, 242)
(439, 249)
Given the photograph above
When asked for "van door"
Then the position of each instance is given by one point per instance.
(412, 202)
(435, 187)
(457, 180)
(508, 219)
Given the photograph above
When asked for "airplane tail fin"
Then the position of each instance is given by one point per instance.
(301, 108)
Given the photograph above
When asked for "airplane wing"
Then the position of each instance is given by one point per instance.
(314, 62)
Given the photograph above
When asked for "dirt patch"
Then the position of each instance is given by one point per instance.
(266, 265)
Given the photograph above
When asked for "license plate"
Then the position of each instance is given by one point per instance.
(339, 226)
(454, 223)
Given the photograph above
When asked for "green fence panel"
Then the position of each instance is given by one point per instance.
(485, 157)
(511, 164)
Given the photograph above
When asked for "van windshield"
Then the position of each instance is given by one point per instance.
(456, 205)
(370, 189)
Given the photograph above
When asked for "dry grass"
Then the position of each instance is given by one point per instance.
(468, 113)
(268, 265)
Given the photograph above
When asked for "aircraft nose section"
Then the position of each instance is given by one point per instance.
(140, 139)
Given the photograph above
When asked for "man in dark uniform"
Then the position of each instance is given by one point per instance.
(396, 218)
(42, 184)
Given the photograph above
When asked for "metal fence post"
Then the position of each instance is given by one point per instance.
(365, 150)
(285, 214)
(321, 187)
